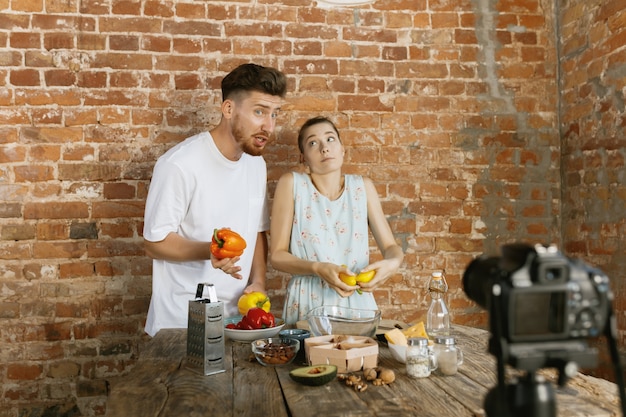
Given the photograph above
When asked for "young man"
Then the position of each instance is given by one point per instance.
(213, 180)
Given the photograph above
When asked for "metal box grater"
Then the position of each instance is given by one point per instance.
(205, 333)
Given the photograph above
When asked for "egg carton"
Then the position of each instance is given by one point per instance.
(347, 353)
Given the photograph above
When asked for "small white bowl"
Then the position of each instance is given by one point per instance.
(398, 352)
(251, 335)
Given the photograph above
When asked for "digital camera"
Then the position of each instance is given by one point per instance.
(542, 309)
(544, 296)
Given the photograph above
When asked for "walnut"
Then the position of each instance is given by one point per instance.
(370, 374)
(386, 375)
(360, 387)
(353, 380)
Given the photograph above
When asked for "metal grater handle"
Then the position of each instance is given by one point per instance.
(212, 298)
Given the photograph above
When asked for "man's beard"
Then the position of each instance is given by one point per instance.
(245, 142)
(251, 149)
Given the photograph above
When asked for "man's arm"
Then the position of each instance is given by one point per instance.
(178, 249)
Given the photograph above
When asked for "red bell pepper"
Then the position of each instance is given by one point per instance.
(260, 319)
(245, 324)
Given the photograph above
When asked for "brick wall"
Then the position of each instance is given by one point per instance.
(592, 47)
(451, 107)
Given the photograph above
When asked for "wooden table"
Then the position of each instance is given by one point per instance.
(160, 385)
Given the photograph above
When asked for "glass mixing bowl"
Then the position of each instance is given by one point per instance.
(327, 320)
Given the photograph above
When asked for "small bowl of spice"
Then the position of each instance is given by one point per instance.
(275, 351)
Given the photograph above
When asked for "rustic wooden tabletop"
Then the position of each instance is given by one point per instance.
(160, 385)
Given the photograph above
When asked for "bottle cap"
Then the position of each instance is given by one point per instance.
(444, 340)
(417, 341)
(437, 274)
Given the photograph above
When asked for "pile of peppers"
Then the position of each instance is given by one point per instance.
(256, 318)
(227, 244)
(255, 308)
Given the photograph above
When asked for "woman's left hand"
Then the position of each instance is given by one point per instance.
(384, 270)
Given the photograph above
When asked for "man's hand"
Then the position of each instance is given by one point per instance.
(228, 266)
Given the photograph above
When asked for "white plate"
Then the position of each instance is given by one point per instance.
(251, 335)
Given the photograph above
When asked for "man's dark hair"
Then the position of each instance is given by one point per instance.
(311, 122)
(252, 77)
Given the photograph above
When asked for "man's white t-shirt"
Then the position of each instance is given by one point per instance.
(194, 190)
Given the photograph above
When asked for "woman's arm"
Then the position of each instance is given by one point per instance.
(391, 251)
(280, 230)
(280, 236)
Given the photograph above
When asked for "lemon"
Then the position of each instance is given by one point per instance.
(365, 276)
(348, 279)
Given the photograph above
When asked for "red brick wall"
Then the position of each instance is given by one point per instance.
(592, 47)
(450, 106)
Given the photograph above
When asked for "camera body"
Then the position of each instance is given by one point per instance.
(541, 304)
(542, 309)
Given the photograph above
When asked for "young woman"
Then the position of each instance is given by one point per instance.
(319, 228)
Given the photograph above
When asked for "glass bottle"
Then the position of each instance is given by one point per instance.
(438, 317)
(420, 360)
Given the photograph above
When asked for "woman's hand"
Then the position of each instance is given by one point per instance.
(330, 273)
(384, 270)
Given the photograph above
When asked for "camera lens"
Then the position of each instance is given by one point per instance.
(479, 277)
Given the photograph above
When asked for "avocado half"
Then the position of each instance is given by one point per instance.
(314, 375)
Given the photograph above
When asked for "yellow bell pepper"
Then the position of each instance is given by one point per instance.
(254, 299)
